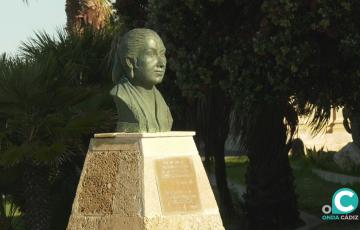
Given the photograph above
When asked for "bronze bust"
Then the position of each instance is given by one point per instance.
(138, 66)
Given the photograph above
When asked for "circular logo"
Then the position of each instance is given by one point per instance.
(344, 201)
(326, 209)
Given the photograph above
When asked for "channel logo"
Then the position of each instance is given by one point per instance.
(344, 202)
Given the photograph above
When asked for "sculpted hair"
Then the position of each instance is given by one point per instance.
(127, 46)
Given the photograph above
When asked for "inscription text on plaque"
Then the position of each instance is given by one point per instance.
(177, 185)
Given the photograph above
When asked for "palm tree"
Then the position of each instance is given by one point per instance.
(268, 134)
(48, 110)
(213, 118)
(81, 13)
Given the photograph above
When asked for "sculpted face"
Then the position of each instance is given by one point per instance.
(149, 66)
(139, 64)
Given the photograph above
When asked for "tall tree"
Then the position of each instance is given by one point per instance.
(81, 13)
(301, 56)
(72, 10)
(214, 51)
(193, 56)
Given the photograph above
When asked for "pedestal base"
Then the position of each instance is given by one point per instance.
(144, 181)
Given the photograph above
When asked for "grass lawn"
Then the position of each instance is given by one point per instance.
(324, 160)
(313, 192)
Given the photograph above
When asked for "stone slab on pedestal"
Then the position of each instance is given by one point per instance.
(144, 181)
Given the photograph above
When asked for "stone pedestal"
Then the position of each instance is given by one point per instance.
(144, 181)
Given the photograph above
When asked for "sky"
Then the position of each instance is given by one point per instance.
(19, 21)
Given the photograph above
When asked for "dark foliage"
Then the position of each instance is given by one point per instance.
(52, 101)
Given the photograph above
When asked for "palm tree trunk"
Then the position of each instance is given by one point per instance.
(37, 198)
(217, 126)
(270, 198)
(72, 9)
(204, 126)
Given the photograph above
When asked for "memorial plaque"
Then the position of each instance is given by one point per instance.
(177, 185)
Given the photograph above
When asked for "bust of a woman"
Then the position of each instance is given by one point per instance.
(139, 65)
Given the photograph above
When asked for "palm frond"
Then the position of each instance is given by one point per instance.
(320, 117)
(50, 98)
(14, 154)
(47, 153)
(38, 45)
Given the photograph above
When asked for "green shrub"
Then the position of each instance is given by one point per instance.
(325, 160)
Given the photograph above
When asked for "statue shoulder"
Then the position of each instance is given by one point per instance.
(159, 98)
(123, 94)
(120, 90)
(114, 90)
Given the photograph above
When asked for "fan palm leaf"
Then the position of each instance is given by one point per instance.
(50, 102)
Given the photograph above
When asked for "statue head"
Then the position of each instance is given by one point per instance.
(139, 56)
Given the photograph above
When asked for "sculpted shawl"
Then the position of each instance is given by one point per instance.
(134, 114)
